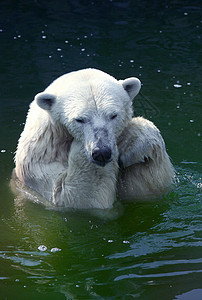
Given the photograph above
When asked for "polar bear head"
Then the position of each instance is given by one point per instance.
(94, 107)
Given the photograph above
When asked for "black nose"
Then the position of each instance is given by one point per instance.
(101, 155)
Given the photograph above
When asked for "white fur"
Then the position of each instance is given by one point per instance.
(146, 168)
(76, 114)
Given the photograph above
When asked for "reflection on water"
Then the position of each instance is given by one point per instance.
(144, 250)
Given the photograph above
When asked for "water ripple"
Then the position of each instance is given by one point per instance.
(179, 273)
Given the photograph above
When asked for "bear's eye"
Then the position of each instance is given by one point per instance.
(80, 120)
(112, 117)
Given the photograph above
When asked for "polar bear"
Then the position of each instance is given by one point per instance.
(82, 148)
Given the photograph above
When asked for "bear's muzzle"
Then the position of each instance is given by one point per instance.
(101, 155)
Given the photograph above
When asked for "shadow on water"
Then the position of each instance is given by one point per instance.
(142, 250)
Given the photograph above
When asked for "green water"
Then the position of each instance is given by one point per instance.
(149, 250)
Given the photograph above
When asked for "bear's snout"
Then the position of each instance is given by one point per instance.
(101, 155)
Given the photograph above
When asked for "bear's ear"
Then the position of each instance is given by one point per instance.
(45, 101)
(132, 86)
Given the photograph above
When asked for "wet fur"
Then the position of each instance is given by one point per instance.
(56, 162)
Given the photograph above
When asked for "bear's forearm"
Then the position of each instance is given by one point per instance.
(139, 142)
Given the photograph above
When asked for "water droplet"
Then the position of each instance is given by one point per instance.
(42, 248)
(55, 249)
(126, 242)
(176, 85)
